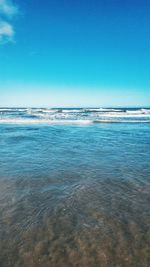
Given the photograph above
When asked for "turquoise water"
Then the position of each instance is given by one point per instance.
(75, 194)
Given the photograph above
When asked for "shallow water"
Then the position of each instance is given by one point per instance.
(75, 195)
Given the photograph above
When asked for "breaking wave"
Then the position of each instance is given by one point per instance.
(73, 115)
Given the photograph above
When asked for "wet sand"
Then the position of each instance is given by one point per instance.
(102, 224)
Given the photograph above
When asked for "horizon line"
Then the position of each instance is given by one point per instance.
(75, 107)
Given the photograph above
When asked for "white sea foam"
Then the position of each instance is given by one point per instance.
(146, 111)
(49, 111)
(139, 111)
(12, 109)
(135, 112)
(66, 121)
(5, 109)
(42, 121)
(103, 110)
(82, 115)
(125, 115)
(72, 110)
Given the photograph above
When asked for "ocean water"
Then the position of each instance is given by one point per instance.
(74, 187)
(73, 115)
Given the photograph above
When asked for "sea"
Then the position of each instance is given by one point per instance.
(74, 187)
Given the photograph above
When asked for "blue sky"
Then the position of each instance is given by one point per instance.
(75, 53)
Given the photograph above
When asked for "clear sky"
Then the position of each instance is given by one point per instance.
(75, 53)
